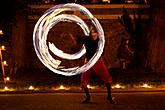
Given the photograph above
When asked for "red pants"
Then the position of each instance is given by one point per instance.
(100, 69)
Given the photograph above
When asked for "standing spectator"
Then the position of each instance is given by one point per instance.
(124, 53)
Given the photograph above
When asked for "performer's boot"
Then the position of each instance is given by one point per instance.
(109, 97)
(87, 99)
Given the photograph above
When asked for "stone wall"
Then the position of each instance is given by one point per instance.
(107, 15)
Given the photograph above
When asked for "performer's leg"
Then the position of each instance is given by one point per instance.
(109, 94)
(88, 97)
(85, 79)
(103, 73)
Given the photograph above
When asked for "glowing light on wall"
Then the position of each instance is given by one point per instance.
(31, 88)
(7, 78)
(146, 86)
(1, 32)
(117, 86)
(62, 87)
(52, 17)
(5, 63)
(6, 88)
(91, 87)
(2, 47)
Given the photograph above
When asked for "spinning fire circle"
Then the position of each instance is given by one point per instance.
(52, 17)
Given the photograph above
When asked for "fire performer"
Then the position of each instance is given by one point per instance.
(91, 43)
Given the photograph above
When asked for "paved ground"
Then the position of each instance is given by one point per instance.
(72, 101)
